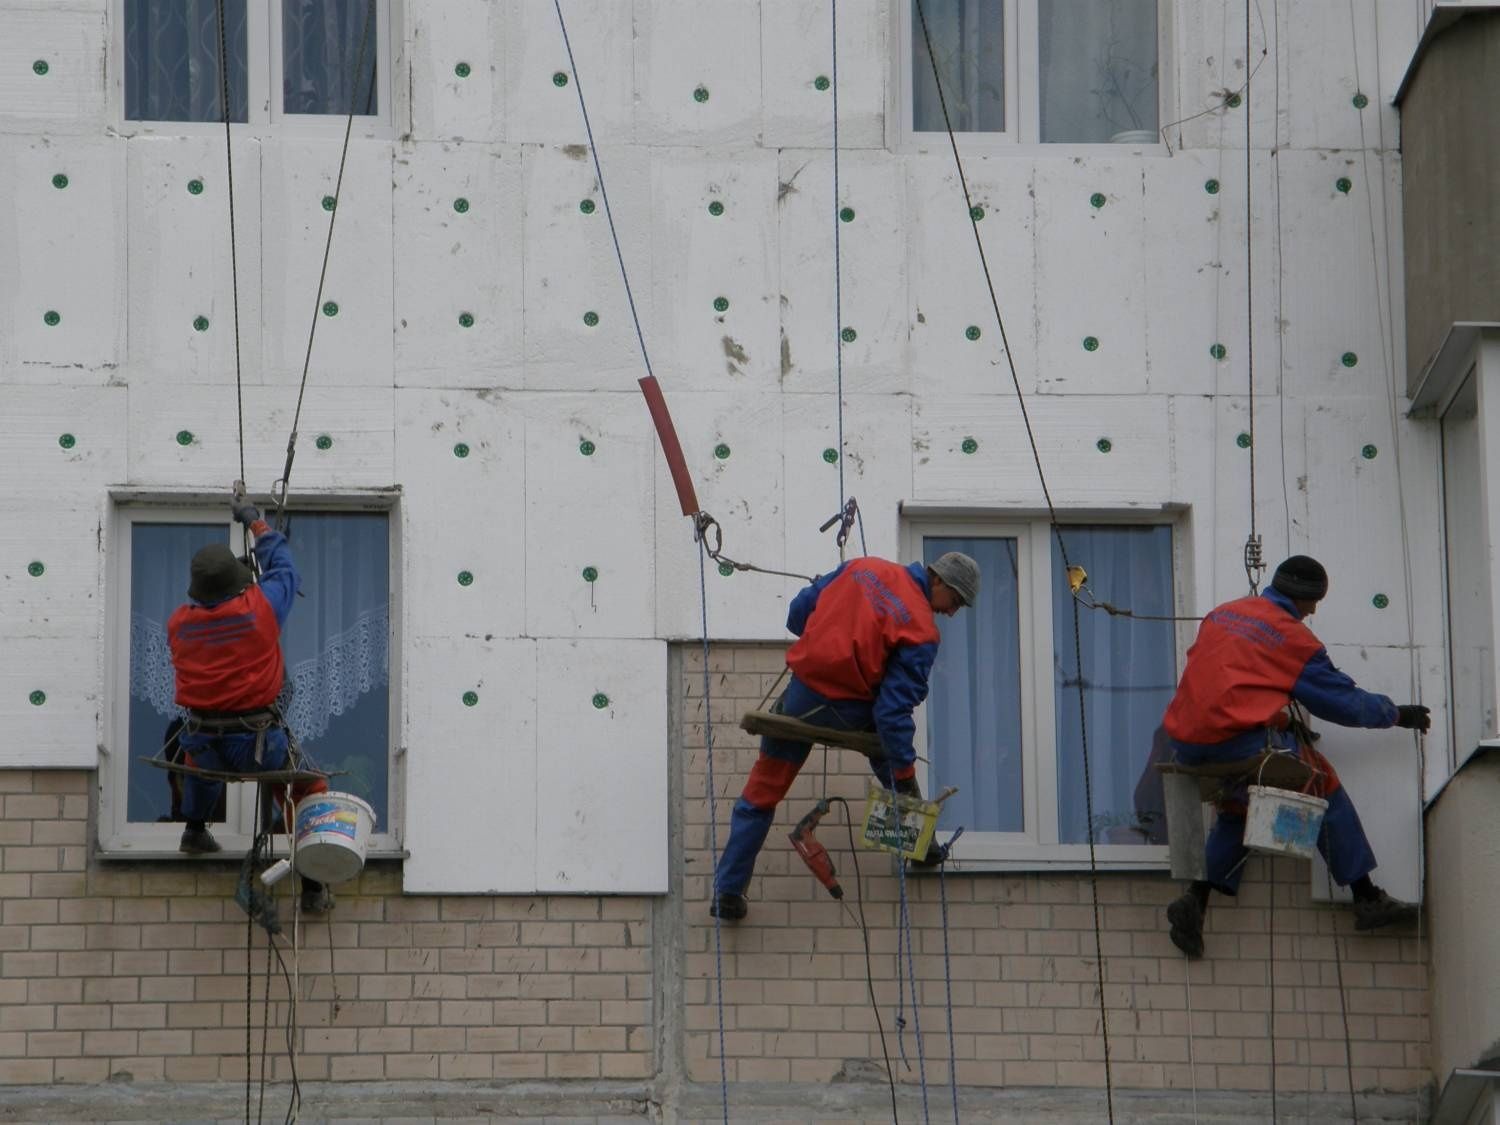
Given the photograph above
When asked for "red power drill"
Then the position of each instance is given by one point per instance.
(814, 854)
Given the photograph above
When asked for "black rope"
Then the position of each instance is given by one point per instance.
(338, 187)
(1254, 567)
(1271, 972)
(838, 283)
(1056, 531)
(234, 269)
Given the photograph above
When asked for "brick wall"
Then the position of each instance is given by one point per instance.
(1025, 998)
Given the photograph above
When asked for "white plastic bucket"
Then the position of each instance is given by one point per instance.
(1281, 822)
(333, 831)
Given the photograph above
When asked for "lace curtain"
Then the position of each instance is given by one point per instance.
(320, 51)
(172, 60)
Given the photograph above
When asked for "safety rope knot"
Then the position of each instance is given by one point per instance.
(845, 517)
(1255, 566)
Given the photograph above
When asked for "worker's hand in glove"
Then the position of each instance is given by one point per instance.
(1413, 716)
(908, 787)
(244, 511)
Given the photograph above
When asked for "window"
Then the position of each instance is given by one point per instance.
(337, 642)
(289, 60)
(1003, 715)
(1049, 71)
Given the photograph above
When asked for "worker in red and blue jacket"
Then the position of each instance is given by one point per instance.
(1252, 659)
(226, 653)
(867, 638)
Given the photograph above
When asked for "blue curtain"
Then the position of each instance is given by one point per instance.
(172, 60)
(320, 42)
(968, 40)
(974, 706)
(1129, 676)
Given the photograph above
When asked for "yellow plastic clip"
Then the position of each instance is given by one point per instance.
(1077, 576)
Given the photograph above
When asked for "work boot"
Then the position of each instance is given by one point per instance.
(1186, 916)
(1381, 910)
(198, 841)
(316, 899)
(729, 908)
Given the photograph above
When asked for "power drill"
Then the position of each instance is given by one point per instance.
(814, 854)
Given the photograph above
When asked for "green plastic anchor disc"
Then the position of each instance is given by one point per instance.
(716, 208)
(195, 187)
(586, 206)
(1368, 452)
(700, 94)
(40, 67)
(1344, 184)
(38, 698)
(462, 70)
(461, 205)
(471, 698)
(330, 308)
(721, 452)
(1380, 601)
(846, 214)
(59, 181)
(972, 332)
(465, 578)
(591, 574)
(848, 335)
(51, 318)
(35, 569)
(831, 455)
(559, 79)
(1091, 343)
(461, 450)
(184, 437)
(591, 318)
(821, 82)
(1097, 200)
(1218, 351)
(324, 442)
(726, 570)
(969, 445)
(976, 212)
(200, 324)
(1211, 186)
(1243, 441)
(1360, 101)
(601, 701)
(721, 304)
(1104, 445)
(466, 320)
(1233, 101)
(67, 441)
(587, 447)
(329, 203)
(1349, 359)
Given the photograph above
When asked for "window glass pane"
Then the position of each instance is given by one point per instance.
(968, 40)
(324, 69)
(1129, 676)
(159, 557)
(1098, 70)
(1471, 637)
(974, 705)
(172, 60)
(337, 645)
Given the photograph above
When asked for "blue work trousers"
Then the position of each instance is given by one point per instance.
(1342, 840)
(774, 772)
(233, 752)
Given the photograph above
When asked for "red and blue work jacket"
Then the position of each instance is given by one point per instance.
(1251, 658)
(227, 655)
(867, 632)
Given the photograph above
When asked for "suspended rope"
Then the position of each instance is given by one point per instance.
(1254, 563)
(948, 989)
(903, 936)
(234, 269)
(1061, 545)
(838, 282)
(338, 189)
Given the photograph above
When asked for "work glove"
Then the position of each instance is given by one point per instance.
(908, 787)
(244, 511)
(1413, 716)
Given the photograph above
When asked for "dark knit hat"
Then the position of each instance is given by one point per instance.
(217, 574)
(1301, 578)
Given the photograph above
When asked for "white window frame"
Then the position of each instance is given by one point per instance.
(1022, 133)
(1037, 848)
(118, 838)
(264, 63)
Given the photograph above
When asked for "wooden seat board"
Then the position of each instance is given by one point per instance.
(275, 777)
(784, 726)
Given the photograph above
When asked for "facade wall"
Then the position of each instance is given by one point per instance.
(1451, 171)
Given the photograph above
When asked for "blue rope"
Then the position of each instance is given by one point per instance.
(603, 192)
(838, 285)
(713, 825)
(948, 985)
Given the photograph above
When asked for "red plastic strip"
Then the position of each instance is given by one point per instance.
(670, 446)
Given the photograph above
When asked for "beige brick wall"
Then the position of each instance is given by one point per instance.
(107, 969)
(1025, 998)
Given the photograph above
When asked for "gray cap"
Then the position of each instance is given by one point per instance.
(959, 573)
